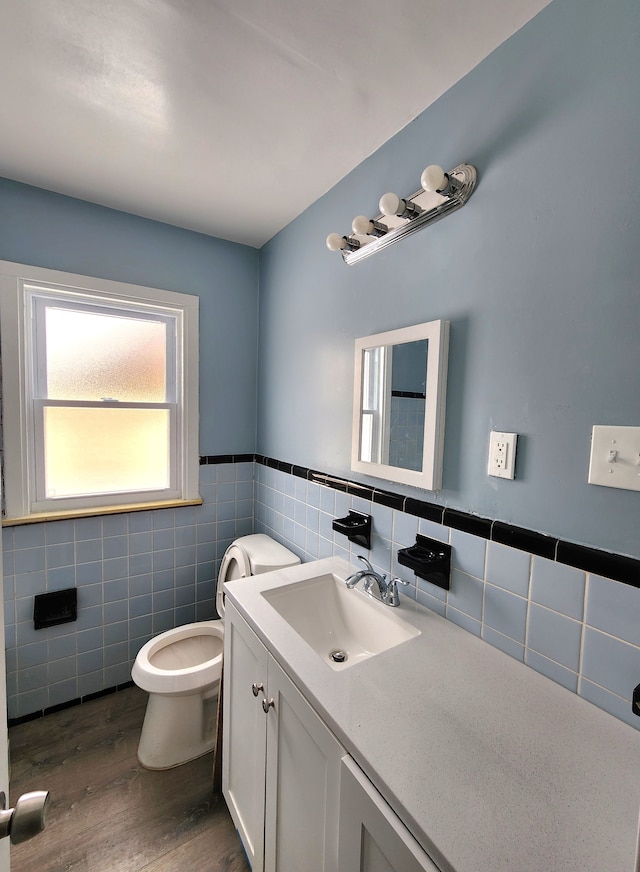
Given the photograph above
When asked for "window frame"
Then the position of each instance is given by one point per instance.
(19, 284)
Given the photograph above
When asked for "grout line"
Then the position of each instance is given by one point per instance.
(583, 633)
(269, 487)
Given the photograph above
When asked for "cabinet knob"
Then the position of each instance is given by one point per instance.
(256, 688)
(267, 704)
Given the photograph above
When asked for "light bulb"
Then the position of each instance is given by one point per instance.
(335, 242)
(362, 225)
(391, 204)
(434, 178)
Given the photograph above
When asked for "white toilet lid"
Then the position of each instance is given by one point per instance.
(251, 555)
(235, 564)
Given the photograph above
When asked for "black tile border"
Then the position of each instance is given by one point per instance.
(391, 500)
(211, 459)
(524, 540)
(321, 478)
(616, 566)
(607, 564)
(360, 490)
(15, 722)
(72, 703)
(473, 524)
(420, 509)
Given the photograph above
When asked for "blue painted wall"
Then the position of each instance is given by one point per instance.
(137, 574)
(539, 275)
(540, 278)
(41, 228)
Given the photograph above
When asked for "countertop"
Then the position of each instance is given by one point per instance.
(493, 767)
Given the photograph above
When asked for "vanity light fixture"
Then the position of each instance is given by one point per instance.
(440, 194)
(394, 206)
(335, 242)
(363, 226)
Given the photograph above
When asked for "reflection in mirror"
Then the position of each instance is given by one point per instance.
(400, 384)
(408, 386)
(371, 442)
(393, 404)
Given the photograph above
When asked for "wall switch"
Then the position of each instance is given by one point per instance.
(615, 457)
(502, 454)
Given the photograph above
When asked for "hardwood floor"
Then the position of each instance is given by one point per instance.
(107, 813)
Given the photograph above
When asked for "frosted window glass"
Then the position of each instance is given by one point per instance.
(91, 356)
(105, 450)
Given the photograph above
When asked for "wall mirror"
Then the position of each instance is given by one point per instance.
(399, 404)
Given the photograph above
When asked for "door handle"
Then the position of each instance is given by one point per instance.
(27, 819)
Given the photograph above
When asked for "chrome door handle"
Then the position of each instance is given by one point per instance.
(267, 704)
(27, 819)
(256, 688)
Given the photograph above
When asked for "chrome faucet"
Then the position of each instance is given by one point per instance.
(387, 590)
(362, 573)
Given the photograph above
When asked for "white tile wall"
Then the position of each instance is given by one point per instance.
(580, 630)
(142, 573)
(137, 574)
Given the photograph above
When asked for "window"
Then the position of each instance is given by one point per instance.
(99, 392)
(376, 387)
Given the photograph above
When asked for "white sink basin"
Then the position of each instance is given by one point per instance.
(332, 618)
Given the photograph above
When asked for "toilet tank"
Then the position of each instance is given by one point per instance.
(251, 555)
(265, 554)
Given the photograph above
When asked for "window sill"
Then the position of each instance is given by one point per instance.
(40, 517)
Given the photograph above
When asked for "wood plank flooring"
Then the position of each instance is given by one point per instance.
(107, 813)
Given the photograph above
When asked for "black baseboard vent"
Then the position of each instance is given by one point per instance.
(57, 607)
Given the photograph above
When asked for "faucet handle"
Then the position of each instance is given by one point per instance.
(392, 596)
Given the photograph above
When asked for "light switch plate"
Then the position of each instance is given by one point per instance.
(502, 454)
(615, 457)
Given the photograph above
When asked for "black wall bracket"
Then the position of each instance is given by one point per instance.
(635, 701)
(429, 559)
(356, 527)
(56, 607)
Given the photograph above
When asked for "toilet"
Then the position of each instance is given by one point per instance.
(180, 669)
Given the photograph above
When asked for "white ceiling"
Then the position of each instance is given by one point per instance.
(228, 117)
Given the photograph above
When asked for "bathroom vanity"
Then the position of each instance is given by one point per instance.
(439, 752)
(292, 789)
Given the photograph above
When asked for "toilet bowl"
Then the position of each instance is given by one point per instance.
(181, 668)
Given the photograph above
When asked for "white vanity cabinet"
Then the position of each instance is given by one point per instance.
(281, 765)
(297, 798)
(244, 736)
(372, 837)
(483, 729)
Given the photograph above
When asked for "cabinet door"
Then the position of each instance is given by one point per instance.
(302, 785)
(372, 837)
(244, 733)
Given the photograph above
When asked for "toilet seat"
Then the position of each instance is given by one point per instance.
(155, 674)
(235, 564)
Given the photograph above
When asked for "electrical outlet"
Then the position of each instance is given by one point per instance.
(502, 454)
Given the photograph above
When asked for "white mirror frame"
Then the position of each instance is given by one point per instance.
(437, 334)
